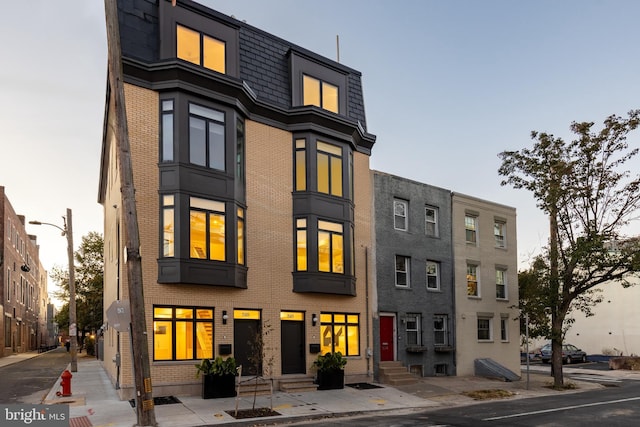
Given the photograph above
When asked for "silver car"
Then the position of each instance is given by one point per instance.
(570, 353)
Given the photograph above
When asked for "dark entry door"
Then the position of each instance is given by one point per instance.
(386, 338)
(292, 347)
(244, 336)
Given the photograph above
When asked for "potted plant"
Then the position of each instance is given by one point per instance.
(218, 377)
(330, 371)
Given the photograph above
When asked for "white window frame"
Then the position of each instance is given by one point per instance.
(430, 274)
(501, 275)
(476, 268)
(471, 220)
(407, 267)
(490, 328)
(444, 319)
(415, 318)
(436, 232)
(403, 216)
(500, 233)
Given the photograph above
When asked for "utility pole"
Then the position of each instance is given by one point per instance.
(73, 326)
(139, 346)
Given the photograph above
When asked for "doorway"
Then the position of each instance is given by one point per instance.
(292, 342)
(387, 337)
(246, 326)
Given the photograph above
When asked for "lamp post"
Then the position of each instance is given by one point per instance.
(73, 330)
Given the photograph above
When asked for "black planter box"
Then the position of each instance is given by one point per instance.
(216, 386)
(330, 380)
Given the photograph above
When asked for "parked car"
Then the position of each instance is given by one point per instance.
(570, 353)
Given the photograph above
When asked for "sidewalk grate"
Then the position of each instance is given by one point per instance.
(363, 386)
(80, 422)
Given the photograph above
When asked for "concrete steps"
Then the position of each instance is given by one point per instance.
(297, 384)
(248, 386)
(395, 373)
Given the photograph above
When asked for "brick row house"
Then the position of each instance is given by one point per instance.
(250, 159)
(23, 286)
(256, 211)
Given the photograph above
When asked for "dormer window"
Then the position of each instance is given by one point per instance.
(319, 93)
(200, 49)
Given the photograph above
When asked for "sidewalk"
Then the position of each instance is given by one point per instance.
(95, 403)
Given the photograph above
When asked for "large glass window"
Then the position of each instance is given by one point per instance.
(301, 165)
(340, 332)
(472, 280)
(400, 214)
(206, 137)
(330, 247)
(241, 236)
(319, 93)
(329, 169)
(402, 271)
(471, 228)
(200, 49)
(182, 333)
(207, 229)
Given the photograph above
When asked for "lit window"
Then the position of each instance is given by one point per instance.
(207, 229)
(412, 325)
(182, 333)
(329, 169)
(200, 49)
(206, 137)
(484, 329)
(402, 271)
(330, 247)
(319, 93)
(400, 215)
(340, 332)
(499, 230)
(168, 227)
(501, 284)
(471, 228)
(241, 236)
(431, 221)
(433, 276)
(301, 244)
(472, 280)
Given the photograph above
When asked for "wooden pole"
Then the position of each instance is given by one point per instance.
(141, 367)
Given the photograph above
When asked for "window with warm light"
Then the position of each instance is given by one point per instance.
(301, 165)
(330, 247)
(207, 229)
(340, 332)
(319, 93)
(182, 333)
(301, 244)
(241, 236)
(168, 226)
(472, 281)
(329, 158)
(200, 49)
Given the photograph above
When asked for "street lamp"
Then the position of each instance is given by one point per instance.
(73, 332)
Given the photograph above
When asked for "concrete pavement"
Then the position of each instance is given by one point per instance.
(95, 403)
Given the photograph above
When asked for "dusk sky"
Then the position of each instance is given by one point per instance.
(447, 85)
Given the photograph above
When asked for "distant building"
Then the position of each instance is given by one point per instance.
(414, 318)
(23, 285)
(486, 283)
(251, 164)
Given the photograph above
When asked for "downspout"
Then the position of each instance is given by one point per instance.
(368, 327)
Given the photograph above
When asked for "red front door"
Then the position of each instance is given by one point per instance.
(386, 338)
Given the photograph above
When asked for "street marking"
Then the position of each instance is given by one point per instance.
(546, 411)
